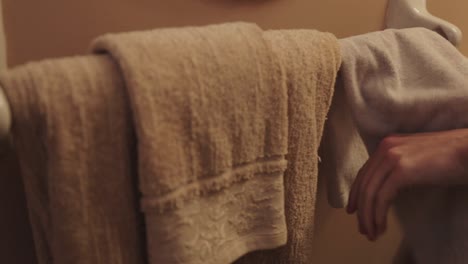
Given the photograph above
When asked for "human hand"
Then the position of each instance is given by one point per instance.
(401, 161)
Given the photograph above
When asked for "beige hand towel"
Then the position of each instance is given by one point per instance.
(210, 113)
(310, 60)
(216, 109)
(72, 135)
(409, 81)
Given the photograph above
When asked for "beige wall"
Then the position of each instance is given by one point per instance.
(52, 28)
(40, 29)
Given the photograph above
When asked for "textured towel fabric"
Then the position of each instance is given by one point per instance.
(342, 149)
(310, 60)
(222, 114)
(216, 109)
(407, 81)
(72, 137)
(210, 114)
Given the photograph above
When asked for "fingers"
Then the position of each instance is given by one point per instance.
(358, 182)
(353, 195)
(385, 197)
(401, 161)
(367, 184)
(369, 194)
(368, 174)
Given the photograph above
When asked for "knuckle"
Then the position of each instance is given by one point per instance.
(396, 178)
(383, 198)
(388, 142)
(400, 170)
(393, 154)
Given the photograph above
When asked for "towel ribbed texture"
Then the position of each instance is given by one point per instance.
(210, 114)
(404, 81)
(217, 127)
(310, 60)
(219, 109)
(72, 135)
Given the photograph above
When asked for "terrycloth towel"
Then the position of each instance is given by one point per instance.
(220, 112)
(407, 81)
(211, 120)
(216, 110)
(72, 135)
(342, 149)
(310, 60)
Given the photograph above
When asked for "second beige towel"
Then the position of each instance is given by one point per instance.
(216, 110)
(310, 61)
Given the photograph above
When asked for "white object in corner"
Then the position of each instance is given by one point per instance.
(413, 13)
